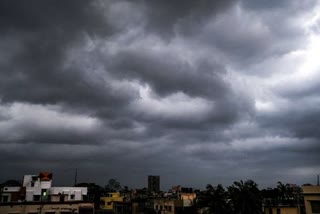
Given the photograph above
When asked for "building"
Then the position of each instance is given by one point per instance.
(36, 195)
(281, 209)
(172, 206)
(181, 200)
(108, 203)
(311, 199)
(154, 183)
(38, 188)
(39, 207)
(166, 205)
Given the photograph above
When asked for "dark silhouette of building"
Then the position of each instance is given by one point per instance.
(154, 183)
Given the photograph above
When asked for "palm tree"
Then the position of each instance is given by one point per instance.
(214, 199)
(285, 192)
(245, 197)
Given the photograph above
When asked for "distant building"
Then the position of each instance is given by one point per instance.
(108, 202)
(154, 183)
(173, 206)
(312, 199)
(164, 205)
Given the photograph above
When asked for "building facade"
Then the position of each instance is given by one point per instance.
(108, 202)
(37, 196)
(46, 208)
(311, 199)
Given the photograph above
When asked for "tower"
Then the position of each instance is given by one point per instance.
(154, 183)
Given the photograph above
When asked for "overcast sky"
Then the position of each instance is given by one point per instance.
(197, 92)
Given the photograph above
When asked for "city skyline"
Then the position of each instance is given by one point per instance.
(197, 92)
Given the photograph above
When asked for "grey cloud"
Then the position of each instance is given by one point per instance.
(44, 32)
(79, 68)
(164, 16)
(300, 122)
(247, 36)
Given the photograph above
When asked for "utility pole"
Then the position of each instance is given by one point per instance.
(317, 180)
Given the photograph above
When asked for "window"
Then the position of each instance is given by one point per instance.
(5, 198)
(36, 197)
(270, 210)
(44, 192)
(315, 206)
(61, 198)
(102, 203)
(160, 207)
(109, 203)
(72, 197)
(169, 208)
(278, 211)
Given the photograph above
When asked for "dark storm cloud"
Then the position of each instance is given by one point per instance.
(163, 16)
(249, 35)
(167, 74)
(43, 32)
(301, 122)
(130, 88)
(274, 4)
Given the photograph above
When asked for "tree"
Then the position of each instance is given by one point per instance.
(94, 193)
(216, 198)
(245, 197)
(285, 193)
(11, 183)
(270, 196)
(125, 189)
(113, 185)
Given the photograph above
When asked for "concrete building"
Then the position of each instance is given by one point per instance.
(154, 183)
(11, 194)
(165, 205)
(107, 203)
(283, 209)
(172, 206)
(188, 199)
(37, 188)
(311, 199)
(37, 196)
(181, 201)
(46, 208)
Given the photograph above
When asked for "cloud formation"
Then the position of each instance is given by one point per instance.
(226, 90)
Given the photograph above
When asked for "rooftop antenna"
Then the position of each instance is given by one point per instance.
(75, 177)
